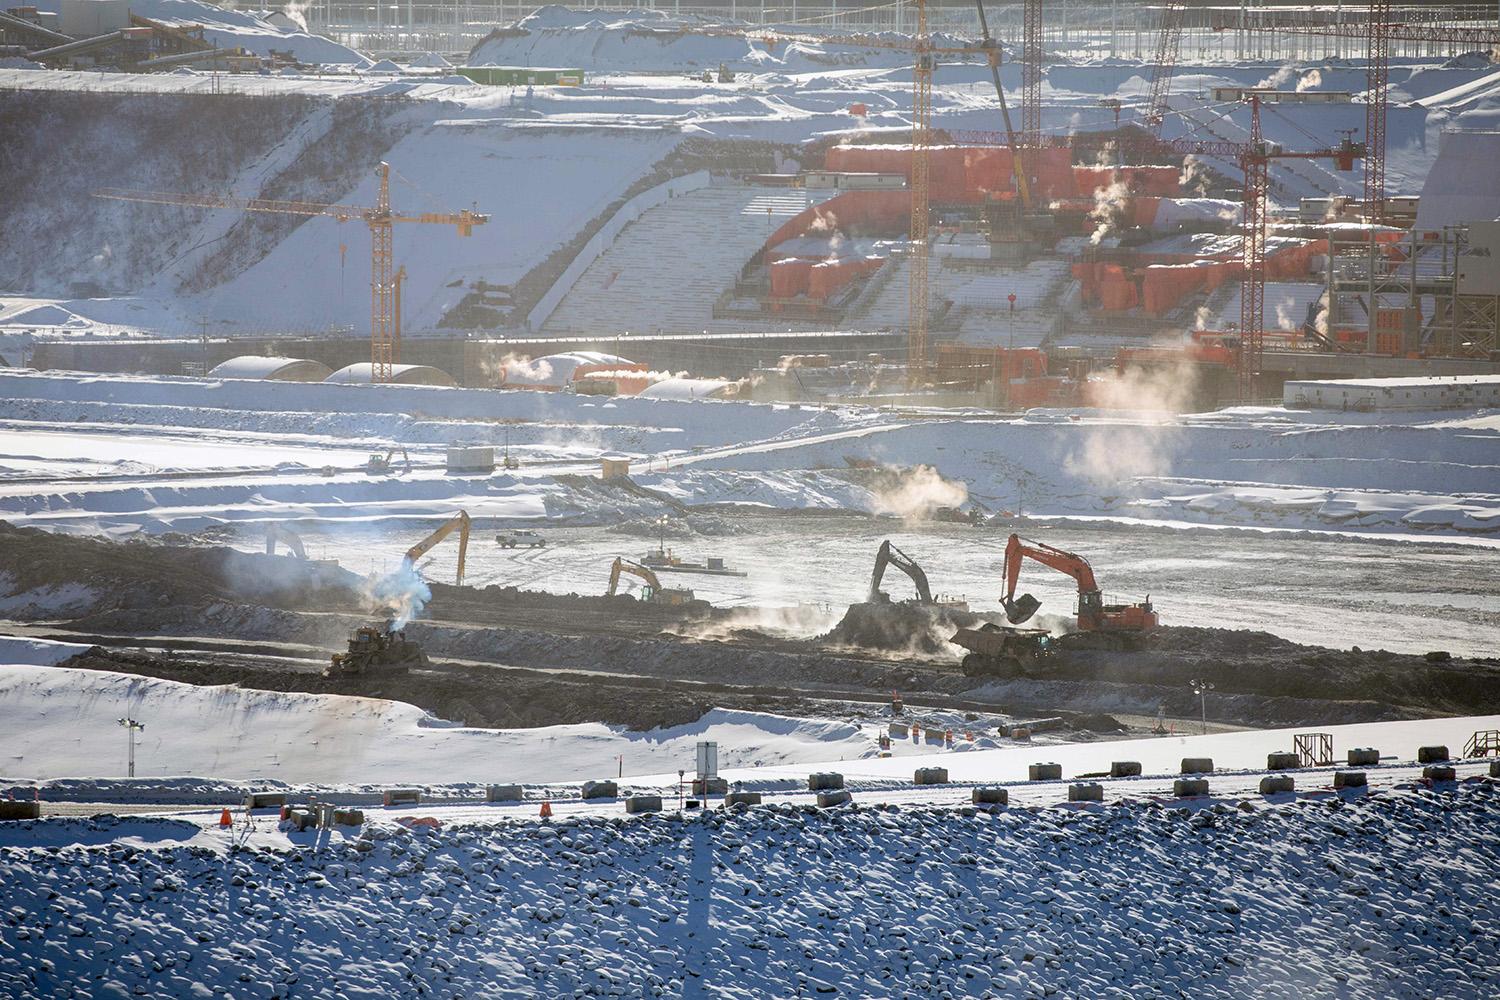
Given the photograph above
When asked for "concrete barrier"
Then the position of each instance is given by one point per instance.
(303, 819)
(402, 797)
(833, 797)
(324, 812)
(1432, 755)
(824, 780)
(710, 786)
(643, 804)
(1086, 791)
(1495, 768)
(1188, 787)
(991, 797)
(931, 776)
(1021, 733)
(1439, 772)
(1197, 765)
(1274, 784)
(265, 800)
(745, 798)
(605, 789)
(504, 793)
(899, 730)
(20, 810)
(348, 817)
(1044, 772)
(1364, 757)
(1125, 769)
(1282, 760)
(1350, 779)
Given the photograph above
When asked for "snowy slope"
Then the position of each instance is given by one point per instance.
(61, 722)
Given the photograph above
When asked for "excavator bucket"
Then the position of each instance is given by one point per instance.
(1021, 609)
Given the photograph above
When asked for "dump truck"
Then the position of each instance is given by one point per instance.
(1000, 650)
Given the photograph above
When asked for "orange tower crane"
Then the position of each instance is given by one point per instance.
(385, 330)
(1168, 44)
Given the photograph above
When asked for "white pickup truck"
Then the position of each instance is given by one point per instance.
(511, 539)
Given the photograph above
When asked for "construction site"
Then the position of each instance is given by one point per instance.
(432, 435)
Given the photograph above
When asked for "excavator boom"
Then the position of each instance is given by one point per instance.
(1093, 613)
(286, 536)
(635, 569)
(459, 521)
(889, 555)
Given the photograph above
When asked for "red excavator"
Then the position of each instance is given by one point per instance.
(1093, 614)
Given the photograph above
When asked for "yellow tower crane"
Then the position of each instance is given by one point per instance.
(385, 330)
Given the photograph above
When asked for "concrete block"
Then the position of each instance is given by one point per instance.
(1197, 765)
(899, 730)
(1349, 779)
(1273, 784)
(402, 797)
(348, 817)
(1364, 757)
(931, 776)
(1022, 733)
(710, 786)
(824, 780)
(605, 789)
(324, 812)
(991, 797)
(748, 798)
(1439, 772)
(1188, 787)
(265, 800)
(1495, 768)
(1282, 760)
(1125, 769)
(1086, 791)
(833, 797)
(1432, 755)
(303, 819)
(1044, 772)
(504, 793)
(643, 804)
(20, 810)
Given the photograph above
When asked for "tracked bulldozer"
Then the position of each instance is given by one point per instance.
(377, 652)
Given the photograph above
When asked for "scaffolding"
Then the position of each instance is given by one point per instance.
(1430, 293)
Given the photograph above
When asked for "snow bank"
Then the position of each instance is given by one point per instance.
(61, 722)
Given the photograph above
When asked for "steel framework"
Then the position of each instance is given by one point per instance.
(1168, 46)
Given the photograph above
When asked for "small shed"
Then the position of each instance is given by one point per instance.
(614, 467)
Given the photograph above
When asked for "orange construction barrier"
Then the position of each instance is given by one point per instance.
(225, 819)
(546, 809)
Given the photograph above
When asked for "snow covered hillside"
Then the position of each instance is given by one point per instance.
(1429, 474)
(1389, 894)
(57, 716)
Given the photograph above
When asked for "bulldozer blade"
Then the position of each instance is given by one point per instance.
(1021, 609)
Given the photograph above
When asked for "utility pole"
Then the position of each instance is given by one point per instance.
(131, 728)
(1201, 689)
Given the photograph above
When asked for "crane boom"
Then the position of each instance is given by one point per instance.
(1168, 44)
(1093, 613)
(385, 329)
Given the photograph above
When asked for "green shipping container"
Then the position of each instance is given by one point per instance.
(522, 76)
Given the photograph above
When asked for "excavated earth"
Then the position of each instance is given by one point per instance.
(270, 622)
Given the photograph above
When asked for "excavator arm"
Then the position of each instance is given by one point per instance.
(459, 521)
(1064, 562)
(634, 569)
(889, 555)
(286, 536)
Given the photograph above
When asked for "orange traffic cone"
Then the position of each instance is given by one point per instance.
(546, 809)
(224, 819)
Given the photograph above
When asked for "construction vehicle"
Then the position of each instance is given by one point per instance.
(520, 536)
(286, 536)
(459, 521)
(1093, 614)
(379, 464)
(889, 555)
(999, 650)
(652, 592)
(375, 651)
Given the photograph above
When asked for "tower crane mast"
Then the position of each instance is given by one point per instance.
(385, 330)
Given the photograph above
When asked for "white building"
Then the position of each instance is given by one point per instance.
(1435, 392)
